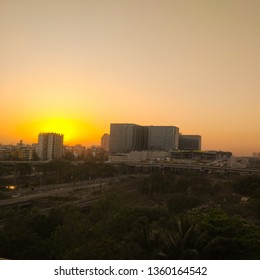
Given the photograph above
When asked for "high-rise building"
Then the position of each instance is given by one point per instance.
(50, 146)
(189, 142)
(105, 141)
(163, 138)
(126, 137)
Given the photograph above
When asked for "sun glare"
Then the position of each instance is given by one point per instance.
(74, 131)
(62, 126)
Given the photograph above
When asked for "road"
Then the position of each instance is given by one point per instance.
(47, 191)
(199, 167)
(61, 190)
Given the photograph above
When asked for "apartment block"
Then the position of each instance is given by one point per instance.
(50, 146)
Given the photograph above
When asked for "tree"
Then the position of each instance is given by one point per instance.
(228, 237)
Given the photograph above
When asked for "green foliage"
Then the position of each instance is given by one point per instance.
(4, 170)
(230, 237)
(184, 224)
(249, 186)
(23, 169)
(68, 236)
(109, 231)
(184, 239)
(170, 183)
(26, 236)
(4, 194)
(254, 206)
(180, 203)
(61, 171)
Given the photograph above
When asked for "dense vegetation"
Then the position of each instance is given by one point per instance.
(168, 216)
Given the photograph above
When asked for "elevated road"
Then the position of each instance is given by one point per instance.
(31, 162)
(199, 167)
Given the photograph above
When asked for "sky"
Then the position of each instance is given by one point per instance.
(75, 66)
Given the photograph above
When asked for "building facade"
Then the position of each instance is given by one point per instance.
(125, 138)
(163, 138)
(201, 155)
(105, 141)
(50, 146)
(190, 142)
(19, 151)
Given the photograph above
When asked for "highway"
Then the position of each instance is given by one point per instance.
(198, 167)
(25, 195)
(62, 190)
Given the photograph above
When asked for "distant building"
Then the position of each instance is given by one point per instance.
(126, 137)
(96, 152)
(20, 145)
(105, 141)
(24, 152)
(139, 156)
(27, 153)
(163, 138)
(76, 150)
(201, 155)
(239, 162)
(190, 142)
(2, 154)
(50, 146)
(17, 152)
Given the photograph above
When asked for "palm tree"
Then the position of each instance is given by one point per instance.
(185, 240)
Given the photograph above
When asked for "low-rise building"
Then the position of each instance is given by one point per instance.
(139, 156)
(190, 142)
(201, 155)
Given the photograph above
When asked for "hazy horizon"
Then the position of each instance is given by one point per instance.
(75, 67)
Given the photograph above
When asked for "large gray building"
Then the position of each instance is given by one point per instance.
(163, 138)
(50, 146)
(125, 137)
(189, 142)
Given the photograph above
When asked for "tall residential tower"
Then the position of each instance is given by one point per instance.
(50, 146)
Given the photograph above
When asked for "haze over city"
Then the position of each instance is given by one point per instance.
(74, 67)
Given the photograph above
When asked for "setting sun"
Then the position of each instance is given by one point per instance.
(75, 131)
(62, 126)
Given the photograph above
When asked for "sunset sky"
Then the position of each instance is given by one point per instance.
(75, 66)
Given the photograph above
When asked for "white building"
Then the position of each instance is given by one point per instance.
(139, 156)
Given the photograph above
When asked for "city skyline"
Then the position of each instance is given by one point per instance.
(75, 67)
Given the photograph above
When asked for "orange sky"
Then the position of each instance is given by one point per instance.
(74, 67)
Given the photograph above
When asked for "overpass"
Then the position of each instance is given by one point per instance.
(31, 162)
(167, 166)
